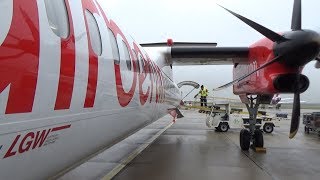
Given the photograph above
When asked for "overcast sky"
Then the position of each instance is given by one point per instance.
(204, 21)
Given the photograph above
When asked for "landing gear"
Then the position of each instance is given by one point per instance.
(252, 135)
(245, 138)
(306, 129)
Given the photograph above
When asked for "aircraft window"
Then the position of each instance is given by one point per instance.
(137, 60)
(126, 55)
(57, 15)
(141, 62)
(94, 32)
(114, 46)
(152, 68)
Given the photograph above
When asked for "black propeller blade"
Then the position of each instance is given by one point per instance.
(273, 36)
(317, 65)
(296, 16)
(276, 59)
(295, 119)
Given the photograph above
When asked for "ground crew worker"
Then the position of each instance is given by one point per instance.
(203, 93)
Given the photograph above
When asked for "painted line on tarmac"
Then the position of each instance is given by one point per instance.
(135, 153)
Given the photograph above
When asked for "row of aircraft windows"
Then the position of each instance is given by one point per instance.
(57, 15)
(58, 19)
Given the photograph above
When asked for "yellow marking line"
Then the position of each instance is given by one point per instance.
(135, 153)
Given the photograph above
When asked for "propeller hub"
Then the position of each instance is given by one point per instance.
(301, 47)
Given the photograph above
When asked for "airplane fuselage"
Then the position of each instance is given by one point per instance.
(71, 85)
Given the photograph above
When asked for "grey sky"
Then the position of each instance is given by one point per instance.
(204, 21)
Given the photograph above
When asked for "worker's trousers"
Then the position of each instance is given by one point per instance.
(203, 101)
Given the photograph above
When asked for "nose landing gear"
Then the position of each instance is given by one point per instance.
(252, 137)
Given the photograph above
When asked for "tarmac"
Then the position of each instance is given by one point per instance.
(187, 149)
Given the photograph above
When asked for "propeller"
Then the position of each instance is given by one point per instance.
(273, 36)
(294, 49)
(317, 65)
(296, 16)
(295, 118)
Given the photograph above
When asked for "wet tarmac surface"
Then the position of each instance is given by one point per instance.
(190, 150)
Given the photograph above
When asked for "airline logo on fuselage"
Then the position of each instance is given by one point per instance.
(33, 140)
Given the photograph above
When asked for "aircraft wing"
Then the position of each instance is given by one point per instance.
(208, 55)
(201, 53)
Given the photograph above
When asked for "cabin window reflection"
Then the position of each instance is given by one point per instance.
(141, 62)
(136, 60)
(126, 55)
(94, 32)
(57, 15)
(114, 47)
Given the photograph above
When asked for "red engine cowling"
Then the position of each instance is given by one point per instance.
(285, 83)
(276, 78)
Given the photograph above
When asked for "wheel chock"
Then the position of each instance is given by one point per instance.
(260, 149)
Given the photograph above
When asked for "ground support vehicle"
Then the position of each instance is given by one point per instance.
(281, 116)
(311, 122)
(222, 120)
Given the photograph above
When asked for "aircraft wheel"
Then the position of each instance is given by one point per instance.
(306, 129)
(268, 128)
(245, 139)
(223, 127)
(258, 138)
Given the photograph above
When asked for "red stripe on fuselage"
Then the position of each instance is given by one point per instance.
(142, 76)
(67, 73)
(19, 57)
(92, 81)
(124, 97)
(93, 60)
(67, 68)
(61, 128)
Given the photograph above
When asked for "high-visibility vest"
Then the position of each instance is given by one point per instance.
(203, 92)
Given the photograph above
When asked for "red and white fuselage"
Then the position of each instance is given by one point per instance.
(64, 94)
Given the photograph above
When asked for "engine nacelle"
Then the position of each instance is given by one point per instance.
(285, 83)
